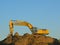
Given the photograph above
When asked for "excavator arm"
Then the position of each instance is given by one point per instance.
(19, 23)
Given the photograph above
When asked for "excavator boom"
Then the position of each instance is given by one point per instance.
(18, 23)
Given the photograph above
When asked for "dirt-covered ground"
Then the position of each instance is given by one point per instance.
(29, 39)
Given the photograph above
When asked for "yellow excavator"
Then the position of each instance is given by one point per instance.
(24, 23)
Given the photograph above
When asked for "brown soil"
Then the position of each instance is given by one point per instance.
(29, 39)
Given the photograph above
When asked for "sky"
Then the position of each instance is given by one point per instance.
(44, 14)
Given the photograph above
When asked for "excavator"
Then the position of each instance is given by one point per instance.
(33, 29)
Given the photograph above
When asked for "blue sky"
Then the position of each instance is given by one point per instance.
(40, 13)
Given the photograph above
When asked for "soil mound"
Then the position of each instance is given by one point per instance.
(29, 39)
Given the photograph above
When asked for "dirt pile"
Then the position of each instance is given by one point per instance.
(29, 39)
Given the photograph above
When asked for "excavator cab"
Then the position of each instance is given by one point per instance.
(35, 30)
